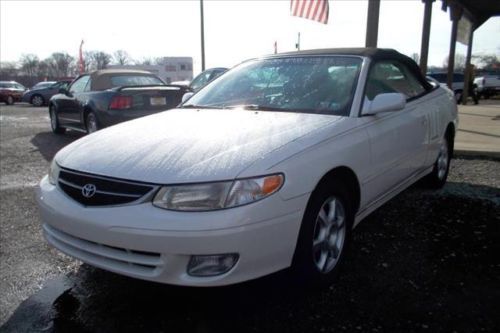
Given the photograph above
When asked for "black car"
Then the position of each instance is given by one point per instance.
(107, 97)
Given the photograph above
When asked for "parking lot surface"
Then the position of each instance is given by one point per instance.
(426, 261)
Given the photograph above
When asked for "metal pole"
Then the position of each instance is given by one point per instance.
(455, 14)
(372, 23)
(426, 32)
(202, 37)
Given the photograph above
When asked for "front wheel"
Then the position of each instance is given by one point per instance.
(324, 235)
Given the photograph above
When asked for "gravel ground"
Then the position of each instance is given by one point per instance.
(425, 261)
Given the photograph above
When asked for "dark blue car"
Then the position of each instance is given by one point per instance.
(110, 96)
(40, 94)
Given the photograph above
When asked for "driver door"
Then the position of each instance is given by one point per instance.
(398, 139)
(69, 107)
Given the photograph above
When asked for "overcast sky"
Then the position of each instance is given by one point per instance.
(234, 30)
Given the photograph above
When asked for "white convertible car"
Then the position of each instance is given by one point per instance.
(268, 167)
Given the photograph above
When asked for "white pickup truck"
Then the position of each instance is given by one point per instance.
(488, 85)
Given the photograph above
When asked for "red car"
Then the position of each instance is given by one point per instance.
(11, 92)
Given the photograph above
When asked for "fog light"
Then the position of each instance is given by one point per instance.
(211, 265)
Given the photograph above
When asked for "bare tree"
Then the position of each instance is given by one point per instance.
(29, 64)
(121, 57)
(8, 69)
(459, 62)
(60, 64)
(489, 62)
(146, 62)
(100, 59)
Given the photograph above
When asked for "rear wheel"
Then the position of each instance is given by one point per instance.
(437, 178)
(54, 122)
(10, 100)
(37, 100)
(324, 235)
(91, 123)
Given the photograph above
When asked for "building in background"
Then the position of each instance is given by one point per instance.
(169, 69)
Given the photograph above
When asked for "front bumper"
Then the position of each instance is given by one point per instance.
(26, 98)
(150, 243)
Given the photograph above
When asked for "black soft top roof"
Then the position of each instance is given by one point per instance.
(373, 53)
(101, 79)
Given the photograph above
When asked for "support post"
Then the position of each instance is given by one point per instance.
(426, 32)
(468, 68)
(455, 14)
(202, 37)
(372, 23)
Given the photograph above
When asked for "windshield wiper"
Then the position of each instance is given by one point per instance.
(194, 106)
(253, 107)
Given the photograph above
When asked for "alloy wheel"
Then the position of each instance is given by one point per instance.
(37, 100)
(91, 123)
(329, 235)
(442, 162)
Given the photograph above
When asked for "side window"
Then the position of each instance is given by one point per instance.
(87, 86)
(79, 85)
(390, 77)
(200, 80)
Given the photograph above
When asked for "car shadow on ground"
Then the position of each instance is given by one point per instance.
(48, 143)
(424, 261)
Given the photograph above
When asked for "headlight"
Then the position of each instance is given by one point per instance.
(54, 172)
(219, 195)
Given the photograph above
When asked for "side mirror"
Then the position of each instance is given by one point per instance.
(186, 96)
(385, 103)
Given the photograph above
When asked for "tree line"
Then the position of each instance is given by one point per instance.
(29, 68)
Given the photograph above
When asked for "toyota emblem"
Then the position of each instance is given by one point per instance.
(88, 190)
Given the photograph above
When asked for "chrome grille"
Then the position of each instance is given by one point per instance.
(92, 190)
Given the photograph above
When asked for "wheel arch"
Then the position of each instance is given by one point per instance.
(37, 94)
(347, 177)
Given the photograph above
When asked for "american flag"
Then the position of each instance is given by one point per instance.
(316, 10)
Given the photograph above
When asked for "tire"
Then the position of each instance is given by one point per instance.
(437, 178)
(324, 238)
(37, 100)
(54, 122)
(9, 100)
(91, 123)
(458, 96)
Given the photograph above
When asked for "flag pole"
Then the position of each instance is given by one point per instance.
(297, 45)
(202, 37)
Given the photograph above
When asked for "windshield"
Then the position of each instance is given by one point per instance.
(323, 84)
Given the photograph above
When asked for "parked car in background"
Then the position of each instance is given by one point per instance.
(270, 166)
(107, 97)
(202, 79)
(205, 77)
(40, 94)
(457, 85)
(488, 85)
(11, 92)
(43, 84)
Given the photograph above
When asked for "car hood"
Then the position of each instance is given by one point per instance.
(188, 145)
